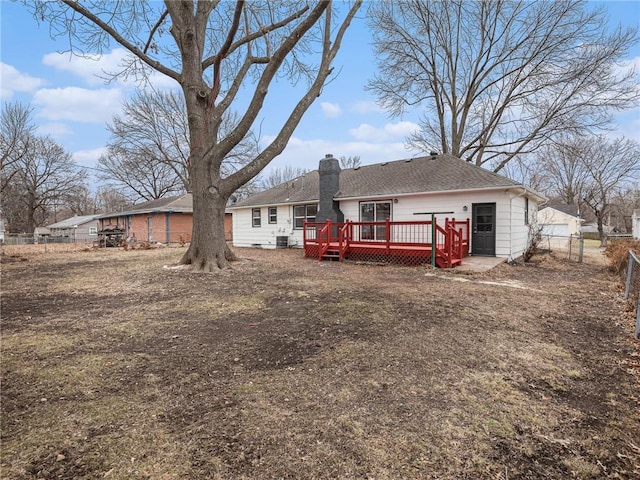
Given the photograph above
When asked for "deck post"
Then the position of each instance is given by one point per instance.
(433, 241)
(304, 235)
(387, 229)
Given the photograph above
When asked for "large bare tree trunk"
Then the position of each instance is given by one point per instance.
(208, 250)
(217, 50)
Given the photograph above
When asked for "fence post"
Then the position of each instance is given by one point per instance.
(636, 334)
(570, 245)
(581, 254)
(627, 287)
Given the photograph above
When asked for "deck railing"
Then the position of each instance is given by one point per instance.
(451, 240)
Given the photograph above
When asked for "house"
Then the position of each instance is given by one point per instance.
(590, 230)
(560, 220)
(41, 234)
(165, 220)
(79, 228)
(392, 203)
(635, 222)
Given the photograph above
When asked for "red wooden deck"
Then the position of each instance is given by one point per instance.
(397, 242)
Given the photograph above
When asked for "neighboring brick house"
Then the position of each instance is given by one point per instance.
(165, 220)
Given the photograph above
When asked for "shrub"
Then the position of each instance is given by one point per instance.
(535, 238)
(617, 253)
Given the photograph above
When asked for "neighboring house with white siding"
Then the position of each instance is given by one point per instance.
(559, 220)
(500, 209)
(79, 228)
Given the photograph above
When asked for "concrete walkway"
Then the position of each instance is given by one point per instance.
(479, 264)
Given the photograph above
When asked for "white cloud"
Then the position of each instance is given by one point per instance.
(13, 81)
(627, 124)
(306, 153)
(98, 69)
(88, 158)
(89, 68)
(391, 131)
(632, 63)
(364, 107)
(331, 110)
(78, 104)
(55, 129)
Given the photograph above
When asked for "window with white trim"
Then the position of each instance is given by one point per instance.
(273, 214)
(256, 220)
(304, 213)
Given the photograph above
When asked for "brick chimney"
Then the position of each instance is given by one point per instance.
(329, 183)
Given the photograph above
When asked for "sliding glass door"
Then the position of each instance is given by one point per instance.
(374, 212)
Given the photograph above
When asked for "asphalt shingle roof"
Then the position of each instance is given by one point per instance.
(75, 220)
(565, 208)
(179, 203)
(438, 173)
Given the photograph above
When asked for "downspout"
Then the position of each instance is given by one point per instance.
(168, 227)
(511, 197)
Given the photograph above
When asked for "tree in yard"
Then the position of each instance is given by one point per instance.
(350, 162)
(81, 201)
(149, 148)
(16, 131)
(140, 174)
(109, 199)
(563, 167)
(622, 203)
(526, 170)
(148, 151)
(611, 165)
(214, 50)
(278, 176)
(498, 79)
(46, 174)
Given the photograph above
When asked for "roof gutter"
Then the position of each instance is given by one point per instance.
(437, 192)
(524, 190)
(275, 204)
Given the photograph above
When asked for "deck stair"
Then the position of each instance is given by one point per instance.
(331, 254)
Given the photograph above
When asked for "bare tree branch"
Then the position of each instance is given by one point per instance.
(154, 30)
(497, 79)
(249, 44)
(156, 65)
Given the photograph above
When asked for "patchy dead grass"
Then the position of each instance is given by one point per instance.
(114, 367)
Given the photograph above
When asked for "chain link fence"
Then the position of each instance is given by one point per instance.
(632, 287)
(30, 239)
(572, 245)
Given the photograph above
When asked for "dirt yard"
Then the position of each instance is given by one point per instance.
(115, 367)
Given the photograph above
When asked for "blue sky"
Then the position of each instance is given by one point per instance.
(73, 105)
